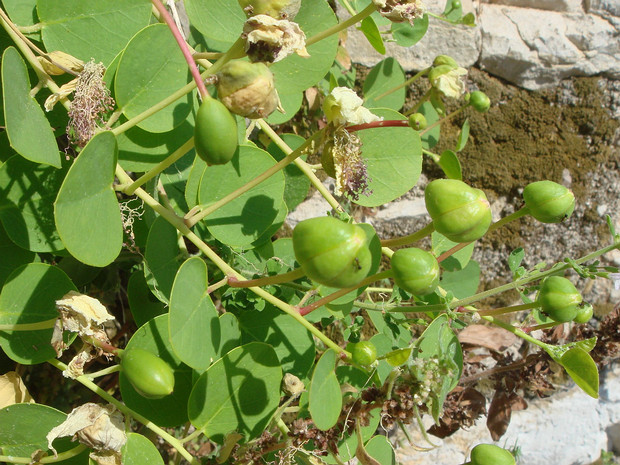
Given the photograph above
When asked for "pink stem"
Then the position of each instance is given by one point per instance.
(379, 124)
(184, 48)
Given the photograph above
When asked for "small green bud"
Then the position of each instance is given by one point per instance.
(445, 60)
(417, 121)
(362, 353)
(279, 9)
(247, 89)
(548, 201)
(149, 375)
(584, 313)
(415, 270)
(456, 4)
(559, 299)
(479, 101)
(332, 252)
(459, 212)
(490, 454)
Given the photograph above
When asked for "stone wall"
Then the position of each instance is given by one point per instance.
(530, 43)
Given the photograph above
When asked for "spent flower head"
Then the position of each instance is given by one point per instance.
(271, 40)
(343, 106)
(349, 167)
(399, 11)
(448, 80)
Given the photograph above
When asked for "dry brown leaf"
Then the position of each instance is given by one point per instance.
(492, 338)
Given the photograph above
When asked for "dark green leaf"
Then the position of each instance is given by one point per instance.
(582, 369)
(371, 32)
(463, 136)
(324, 395)
(407, 35)
(383, 78)
(451, 165)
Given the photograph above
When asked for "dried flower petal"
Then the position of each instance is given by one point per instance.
(399, 11)
(58, 57)
(271, 40)
(450, 83)
(101, 428)
(343, 106)
(64, 91)
(82, 314)
(13, 390)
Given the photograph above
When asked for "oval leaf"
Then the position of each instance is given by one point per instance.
(325, 399)
(373, 35)
(239, 393)
(87, 214)
(582, 369)
(407, 35)
(385, 76)
(193, 317)
(139, 450)
(23, 116)
(450, 164)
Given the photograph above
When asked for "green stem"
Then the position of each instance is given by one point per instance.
(348, 7)
(105, 371)
(161, 166)
(411, 238)
(394, 123)
(343, 25)
(407, 83)
(178, 223)
(433, 156)
(30, 29)
(441, 18)
(267, 280)
(325, 300)
(174, 442)
(291, 156)
(190, 437)
(47, 324)
(49, 459)
(444, 119)
(510, 309)
(516, 331)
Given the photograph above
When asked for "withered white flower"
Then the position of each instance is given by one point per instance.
(100, 427)
(450, 83)
(271, 40)
(13, 390)
(343, 106)
(399, 11)
(66, 61)
(82, 314)
(64, 91)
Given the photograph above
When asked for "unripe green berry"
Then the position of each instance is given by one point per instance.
(363, 352)
(479, 101)
(584, 313)
(417, 121)
(548, 201)
(215, 133)
(490, 454)
(149, 375)
(445, 60)
(456, 4)
(459, 212)
(415, 270)
(332, 252)
(559, 299)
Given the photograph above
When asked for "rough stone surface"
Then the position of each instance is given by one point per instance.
(531, 43)
(568, 428)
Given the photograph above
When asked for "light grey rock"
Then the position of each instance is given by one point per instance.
(534, 48)
(553, 5)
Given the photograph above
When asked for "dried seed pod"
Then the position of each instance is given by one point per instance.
(415, 270)
(548, 201)
(247, 89)
(459, 212)
(332, 252)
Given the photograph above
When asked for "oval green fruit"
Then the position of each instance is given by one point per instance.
(548, 201)
(490, 454)
(559, 299)
(363, 352)
(459, 212)
(332, 252)
(415, 270)
(584, 313)
(479, 101)
(215, 133)
(149, 375)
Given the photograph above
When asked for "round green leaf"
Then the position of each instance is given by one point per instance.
(291, 103)
(407, 35)
(162, 258)
(145, 78)
(239, 393)
(92, 29)
(456, 261)
(393, 156)
(23, 428)
(325, 399)
(139, 450)
(26, 207)
(297, 183)
(29, 296)
(384, 76)
(291, 341)
(219, 20)
(582, 369)
(87, 214)
(229, 336)
(380, 449)
(142, 303)
(431, 137)
(462, 283)
(243, 220)
(12, 255)
(170, 410)
(27, 127)
(193, 318)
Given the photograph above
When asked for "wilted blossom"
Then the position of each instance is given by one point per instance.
(271, 40)
(399, 11)
(351, 171)
(343, 106)
(100, 427)
(450, 82)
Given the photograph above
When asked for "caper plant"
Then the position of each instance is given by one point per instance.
(145, 175)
